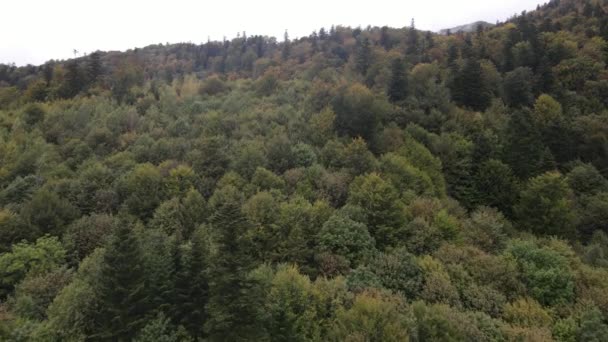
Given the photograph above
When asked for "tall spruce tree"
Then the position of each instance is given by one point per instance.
(363, 58)
(232, 312)
(191, 287)
(122, 289)
(397, 90)
(468, 88)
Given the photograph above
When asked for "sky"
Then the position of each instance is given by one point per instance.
(34, 31)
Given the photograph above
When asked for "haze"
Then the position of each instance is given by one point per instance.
(36, 31)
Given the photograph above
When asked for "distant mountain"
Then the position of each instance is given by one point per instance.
(467, 28)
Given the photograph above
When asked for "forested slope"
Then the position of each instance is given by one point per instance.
(358, 184)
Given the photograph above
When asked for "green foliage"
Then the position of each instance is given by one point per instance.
(176, 182)
(371, 318)
(122, 288)
(545, 272)
(29, 260)
(347, 238)
(383, 210)
(231, 313)
(292, 307)
(544, 206)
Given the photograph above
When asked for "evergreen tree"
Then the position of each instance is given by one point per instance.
(524, 148)
(468, 87)
(385, 38)
(286, 51)
(122, 289)
(397, 90)
(74, 80)
(232, 314)
(94, 67)
(363, 58)
(191, 287)
(412, 39)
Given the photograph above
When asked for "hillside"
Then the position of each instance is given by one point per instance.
(358, 184)
(468, 28)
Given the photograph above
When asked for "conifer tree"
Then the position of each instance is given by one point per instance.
(232, 314)
(191, 287)
(364, 55)
(122, 289)
(398, 84)
(468, 87)
(412, 39)
(94, 67)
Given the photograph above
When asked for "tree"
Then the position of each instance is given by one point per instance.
(371, 318)
(143, 190)
(45, 255)
(292, 307)
(346, 238)
(524, 148)
(363, 57)
(382, 208)
(94, 66)
(469, 88)
(545, 207)
(496, 186)
(47, 213)
(191, 287)
(397, 89)
(518, 87)
(412, 39)
(232, 313)
(357, 112)
(122, 290)
(286, 51)
(546, 272)
(385, 38)
(592, 326)
(74, 80)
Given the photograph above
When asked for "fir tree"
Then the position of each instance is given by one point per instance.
(398, 84)
(412, 39)
(364, 55)
(468, 88)
(94, 67)
(232, 315)
(122, 289)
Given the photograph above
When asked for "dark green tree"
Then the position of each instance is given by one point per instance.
(524, 148)
(232, 311)
(412, 39)
(397, 90)
(518, 87)
(545, 207)
(122, 288)
(363, 57)
(468, 88)
(94, 67)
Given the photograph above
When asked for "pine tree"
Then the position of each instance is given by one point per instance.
(385, 38)
(74, 80)
(364, 55)
(398, 84)
(232, 315)
(412, 39)
(122, 289)
(94, 67)
(286, 47)
(191, 287)
(524, 149)
(468, 88)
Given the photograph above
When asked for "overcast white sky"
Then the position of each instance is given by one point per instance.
(34, 31)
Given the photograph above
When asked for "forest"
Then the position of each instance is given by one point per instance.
(356, 184)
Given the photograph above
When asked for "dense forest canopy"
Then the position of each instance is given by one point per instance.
(358, 184)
